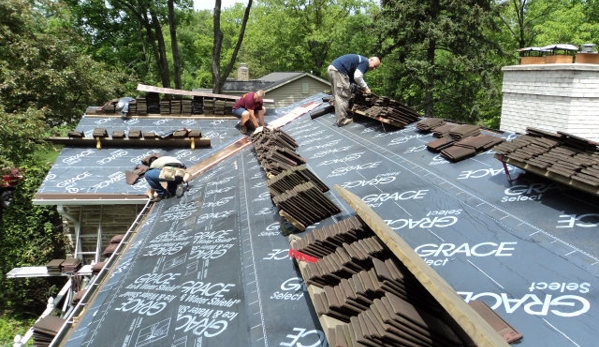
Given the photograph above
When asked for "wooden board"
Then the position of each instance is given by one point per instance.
(152, 89)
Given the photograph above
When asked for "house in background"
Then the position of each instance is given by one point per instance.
(285, 88)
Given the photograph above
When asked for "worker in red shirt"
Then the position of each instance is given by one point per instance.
(250, 107)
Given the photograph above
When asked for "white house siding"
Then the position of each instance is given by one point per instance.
(553, 97)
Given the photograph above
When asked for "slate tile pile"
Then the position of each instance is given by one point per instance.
(151, 103)
(456, 142)
(54, 266)
(366, 297)
(46, 329)
(559, 156)
(294, 189)
(384, 109)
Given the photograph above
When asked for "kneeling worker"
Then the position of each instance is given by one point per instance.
(250, 111)
(166, 169)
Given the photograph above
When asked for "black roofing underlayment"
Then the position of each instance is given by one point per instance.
(213, 269)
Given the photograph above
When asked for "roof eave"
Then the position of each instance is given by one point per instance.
(89, 199)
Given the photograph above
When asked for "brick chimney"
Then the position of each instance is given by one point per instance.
(243, 73)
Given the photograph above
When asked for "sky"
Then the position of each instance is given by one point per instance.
(209, 4)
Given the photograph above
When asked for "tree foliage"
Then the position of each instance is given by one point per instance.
(305, 35)
(41, 65)
(438, 54)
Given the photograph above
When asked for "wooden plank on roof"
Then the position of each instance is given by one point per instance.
(154, 89)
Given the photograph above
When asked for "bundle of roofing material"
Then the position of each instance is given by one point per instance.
(429, 124)
(384, 109)
(368, 296)
(71, 265)
(186, 106)
(470, 146)
(559, 156)
(275, 151)
(443, 130)
(440, 144)
(77, 297)
(46, 329)
(53, 266)
(328, 238)
(304, 205)
(113, 245)
(165, 107)
(292, 177)
(297, 192)
(464, 130)
(97, 267)
(272, 137)
(175, 106)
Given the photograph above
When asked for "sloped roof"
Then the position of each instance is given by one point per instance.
(212, 267)
(268, 82)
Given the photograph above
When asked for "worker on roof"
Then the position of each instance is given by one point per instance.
(343, 72)
(250, 110)
(166, 169)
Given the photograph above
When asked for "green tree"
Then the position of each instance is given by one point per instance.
(437, 52)
(305, 35)
(42, 67)
(217, 47)
(129, 34)
(45, 79)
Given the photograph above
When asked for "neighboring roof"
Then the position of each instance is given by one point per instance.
(268, 82)
(213, 269)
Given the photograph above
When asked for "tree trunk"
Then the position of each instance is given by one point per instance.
(430, 80)
(218, 80)
(163, 62)
(217, 45)
(174, 44)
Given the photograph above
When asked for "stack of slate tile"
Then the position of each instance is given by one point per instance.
(365, 295)
(132, 108)
(384, 109)
(440, 144)
(186, 106)
(229, 106)
(71, 265)
(175, 106)
(112, 245)
(443, 130)
(462, 131)
(304, 205)
(276, 151)
(209, 106)
(165, 107)
(429, 124)
(297, 192)
(141, 106)
(53, 267)
(97, 267)
(292, 177)
(470, 146)
(46, 329)
(559, 156)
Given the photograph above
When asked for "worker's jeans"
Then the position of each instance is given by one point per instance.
(153, 178)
